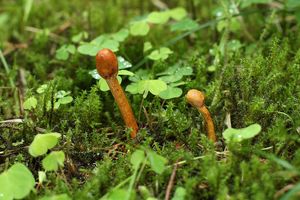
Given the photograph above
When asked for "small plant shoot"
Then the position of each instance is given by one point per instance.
(238, 135)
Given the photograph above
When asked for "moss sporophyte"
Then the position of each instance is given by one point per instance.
(196, 99)
(107, 67)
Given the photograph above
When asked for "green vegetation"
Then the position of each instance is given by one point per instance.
(62, 136)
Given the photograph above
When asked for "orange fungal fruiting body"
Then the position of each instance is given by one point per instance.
(107, 67)
(196, 99)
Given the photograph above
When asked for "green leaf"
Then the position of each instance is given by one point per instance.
(94, 74)
(30, 103)
(157, 162)
(42, 142)
(63, 52)
(54, 160)
(137, 158)
(61, 94)
(155, 86)
(175, 73)
(103, 86)
(119, 194)
(42, 88)
(125, 73)
(133, 88)
(123, 64)
(186, 24)
(158, 17)
(234, 45)
(170, 93)
(145, 86)
(97, 44)
(140, 28)
(147, 46)
(106, 42)
(79, 37)
(27, 9)
(56, 197)
(177, 13)
(179, 194)
(65, 100)
(160, 54)
(144, 191)
(89, 49)
(238, 135)
(121, 35)
(16, 182)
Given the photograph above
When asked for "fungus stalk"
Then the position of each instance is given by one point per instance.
(196, 99)
(107, 67)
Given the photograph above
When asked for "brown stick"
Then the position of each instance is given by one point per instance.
(171, 182)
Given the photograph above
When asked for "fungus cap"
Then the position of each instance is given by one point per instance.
(195, 98)
(106, 63)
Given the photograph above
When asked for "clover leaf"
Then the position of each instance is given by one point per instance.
(97, 44)
(139, 28)
(186, 24)
(145, 86)
(42, 142)
(170, 93)
(16, 182)
(157, 162)
(54, 160)
(160, 54)
(30, 103)
(158, 17)
(238, 135)
(64, 51)
(177, 13)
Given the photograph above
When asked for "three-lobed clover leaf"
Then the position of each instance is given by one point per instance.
(164, 16)
(155, 87)
(97, 44)
(16, 182)
(160, 54)
(42, 142)
(238, 135)
(64, 51)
